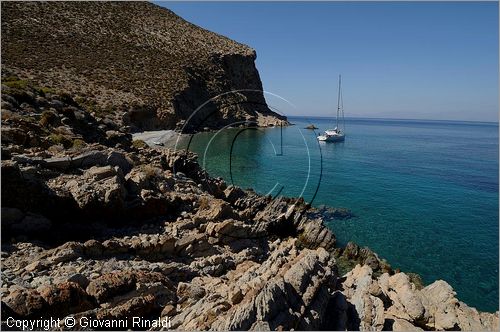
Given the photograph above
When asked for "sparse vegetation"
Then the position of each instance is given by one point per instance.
(150, 171)
(60, 139)
(416, 279)
(123, 68)
(204, 203)
(344, 265)
(47, 118)
(88, 105)
(10, 78)
(78, 143)
(15, 83)
(45, 90)
(139, 144)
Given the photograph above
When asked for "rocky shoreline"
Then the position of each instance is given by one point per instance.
(97, 225)
(100, 225)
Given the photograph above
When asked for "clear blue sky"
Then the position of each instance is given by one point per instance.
(397, 59)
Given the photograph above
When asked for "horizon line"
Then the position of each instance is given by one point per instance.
(386, 118)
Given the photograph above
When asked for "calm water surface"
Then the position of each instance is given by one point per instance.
(425, 193)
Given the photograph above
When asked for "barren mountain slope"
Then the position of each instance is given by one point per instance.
(135, 63)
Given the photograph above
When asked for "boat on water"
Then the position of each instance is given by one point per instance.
(337, 134)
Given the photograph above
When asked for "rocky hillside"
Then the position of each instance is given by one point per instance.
(96, 225)
(133, 63)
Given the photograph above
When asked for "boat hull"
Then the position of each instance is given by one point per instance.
(331, 138)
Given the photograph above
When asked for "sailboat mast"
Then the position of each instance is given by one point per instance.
(342, 109)
(338, 102)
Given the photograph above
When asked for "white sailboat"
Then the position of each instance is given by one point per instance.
(336, 134)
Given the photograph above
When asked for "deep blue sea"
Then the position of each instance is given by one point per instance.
(425, 193)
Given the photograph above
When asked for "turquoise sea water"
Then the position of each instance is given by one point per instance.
(425, 193)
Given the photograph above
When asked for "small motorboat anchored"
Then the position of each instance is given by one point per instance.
(336, 134)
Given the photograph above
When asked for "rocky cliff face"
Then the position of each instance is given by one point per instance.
(97, 226)
(134, 63)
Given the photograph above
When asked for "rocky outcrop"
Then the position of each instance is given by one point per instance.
(393, 302)
(151, 69)
(232, 262)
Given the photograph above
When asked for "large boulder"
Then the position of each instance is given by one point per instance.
(287, 290)
(102, 158)
(211, 209)
(231, 230)
(362, 291)
(354, 253)
(394, 302)
(111, 284)
(99, 188)
(406, 303)
(26, 302)
(65, 298)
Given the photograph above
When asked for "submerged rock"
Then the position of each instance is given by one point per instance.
(311, 126)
